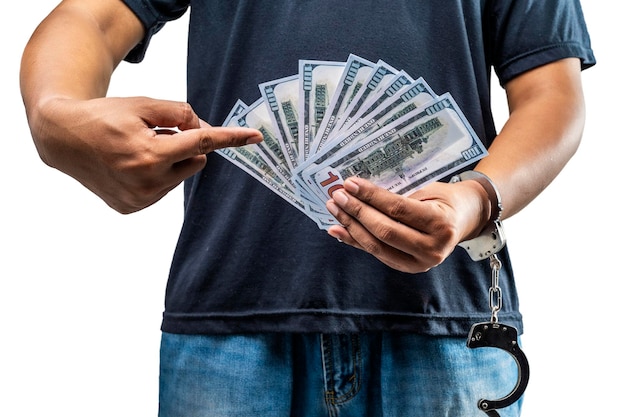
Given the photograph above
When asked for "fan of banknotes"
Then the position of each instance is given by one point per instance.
(334, 120)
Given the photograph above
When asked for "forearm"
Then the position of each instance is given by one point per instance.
(543, 132)
(418, 233)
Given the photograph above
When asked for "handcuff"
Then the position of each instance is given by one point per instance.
(493, 334)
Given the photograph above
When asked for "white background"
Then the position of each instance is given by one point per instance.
(81, 287)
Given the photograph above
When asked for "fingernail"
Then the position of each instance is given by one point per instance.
(340, 197)
(332, 208)
(351, 186)
(332, 233)
(254, 139)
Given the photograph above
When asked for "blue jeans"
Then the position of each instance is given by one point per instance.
(311, 375)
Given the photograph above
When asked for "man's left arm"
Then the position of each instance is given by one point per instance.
(416, 233)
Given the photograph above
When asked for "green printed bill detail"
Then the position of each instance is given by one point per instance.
(282, 98)
(392, 108)
(424, 145)
(355, 74)
(383, 75)
(318, 82)
(249, 159)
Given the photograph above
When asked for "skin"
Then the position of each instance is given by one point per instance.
(417, 233)
(110, 144)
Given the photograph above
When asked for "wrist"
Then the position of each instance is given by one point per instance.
(493, 203)
(488, 238)
(478, 206)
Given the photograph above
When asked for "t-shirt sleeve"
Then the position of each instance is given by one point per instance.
(153, 14)
(529, 33)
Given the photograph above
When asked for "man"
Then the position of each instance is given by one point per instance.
(264, 313)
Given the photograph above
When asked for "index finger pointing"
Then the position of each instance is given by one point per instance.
(213, 138)
(193, 142)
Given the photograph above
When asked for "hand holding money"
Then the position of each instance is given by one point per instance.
(411, 234)
(336, 120)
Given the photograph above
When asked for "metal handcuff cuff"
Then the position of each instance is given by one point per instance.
(493, 334)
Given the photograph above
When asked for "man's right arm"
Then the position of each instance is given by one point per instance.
(108, 144)
(74, 51)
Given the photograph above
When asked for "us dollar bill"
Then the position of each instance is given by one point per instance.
(282, 100)
(381, 76)
(318, 81)
(257, 116)
(355, 74)
(422, 146)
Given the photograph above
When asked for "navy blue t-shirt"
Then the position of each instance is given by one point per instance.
(247, 261)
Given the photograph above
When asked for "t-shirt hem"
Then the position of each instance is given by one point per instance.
(324, 322)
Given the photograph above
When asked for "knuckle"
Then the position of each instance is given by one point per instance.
(444, 231)
(372, 247)
(142, 164)
(368, 194)
(437, 258)
(355, 209)
(186, 111)
(346, 221)
(399, 209)
(386, 232)
(206, 145)
(434, 252)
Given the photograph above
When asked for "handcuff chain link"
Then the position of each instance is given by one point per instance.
(495, 292)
